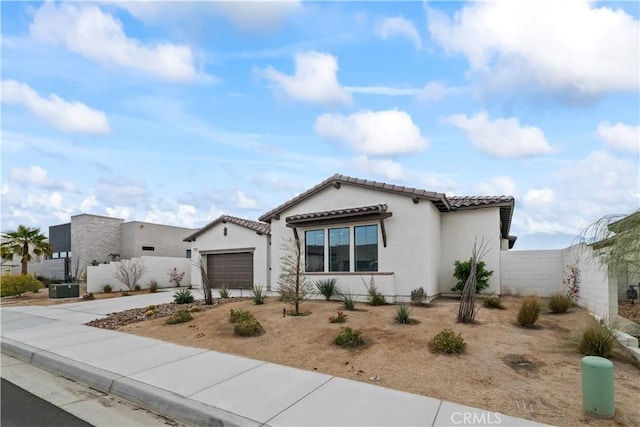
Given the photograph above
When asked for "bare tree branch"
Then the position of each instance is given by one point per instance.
(129, 272)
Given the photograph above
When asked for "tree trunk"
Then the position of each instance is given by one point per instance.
(25, 252)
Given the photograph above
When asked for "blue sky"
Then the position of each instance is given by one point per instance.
(178, 112)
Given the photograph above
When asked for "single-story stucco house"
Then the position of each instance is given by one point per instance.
(355, 230)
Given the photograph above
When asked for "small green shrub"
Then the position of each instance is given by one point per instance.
(349, 337)
(462, 271)
(18, 284)
(238, 315)
(107, 288)
(179, 316)
(257, 295)
(224, 291)
(348, 301)
(559, 303)
(374, 296)
(137, 288)
(493, 302)
(418, 296)
(151, 307)
(447, 341)
(597, 339)
(153, 286)
(327, 287)
(248, 328)
(529, 311)
(183, 296)
(338, 318)
(149, 313)
(88, 296)
(45, 280)
(403, 314)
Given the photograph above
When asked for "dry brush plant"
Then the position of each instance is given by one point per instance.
(129, 272)
(294, 286)
(467, 311)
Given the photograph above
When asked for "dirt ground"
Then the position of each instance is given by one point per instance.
(528, 373)
(42, 297)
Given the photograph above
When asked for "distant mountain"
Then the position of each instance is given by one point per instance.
(538, 241)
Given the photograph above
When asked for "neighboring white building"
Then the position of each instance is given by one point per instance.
(356, 230)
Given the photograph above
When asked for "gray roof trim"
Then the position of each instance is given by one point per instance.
(337, 213)
(258, 227)
(438, 199)
(505, 203)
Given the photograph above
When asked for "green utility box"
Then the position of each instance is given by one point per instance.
(64, 290)
(597, 386)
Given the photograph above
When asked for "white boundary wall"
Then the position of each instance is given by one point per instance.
(542, 273)
(157, 268)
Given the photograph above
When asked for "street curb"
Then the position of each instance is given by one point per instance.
(152, 398)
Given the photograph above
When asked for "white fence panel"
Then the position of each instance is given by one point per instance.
(531, 272)
(156, 268)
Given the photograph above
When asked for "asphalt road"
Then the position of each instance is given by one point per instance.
(22, 409)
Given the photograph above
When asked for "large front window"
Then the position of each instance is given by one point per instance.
(366, 248)
(339, 249)
(314, 250)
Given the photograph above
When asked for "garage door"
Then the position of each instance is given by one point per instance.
(233, 270)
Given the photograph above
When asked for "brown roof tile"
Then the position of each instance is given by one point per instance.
(258, 227)
(348, 212)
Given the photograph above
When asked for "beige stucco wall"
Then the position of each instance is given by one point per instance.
(411, 258)
(459, 231)
(237, 238)
(166, 240)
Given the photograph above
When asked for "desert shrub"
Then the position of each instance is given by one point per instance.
(88, 296)
(418, 296)
(183, 296)
(151, 307)
(462, 271)
(559, 303)
(447, 341)
(194, 309)
(493, 302)
(19, 284)
(45, 280)
(224, 291)
(107, 288)
(529, 311)
(403, 314)
(149, 313)
(137, 288)
(153, 286)
(125, 293)
(248, 327)
(348, 301)
(597, 339)
(340, 317)
(179, 316)
(238, 315)
(327, 287)
(349, 337)
(374, 296)
(257, 294)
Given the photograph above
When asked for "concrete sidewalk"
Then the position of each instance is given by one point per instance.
(202, 387)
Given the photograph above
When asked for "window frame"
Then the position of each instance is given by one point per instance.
(306, 250)
(355, 248)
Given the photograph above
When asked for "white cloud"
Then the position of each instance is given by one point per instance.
(314, 79)
(67, 116)
(432, 91)
(501, 137)
(122, 212)
(48, 200)
(86, 30)
(620, 136)
(384, 133)
(539, 197)
(385, 168)
(88, 203)
(33, 175)
(570, 48)
(497, 186)
(398, 26)
(261, 15)
(244, 202)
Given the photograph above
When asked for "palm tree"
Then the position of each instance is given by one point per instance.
(22, 242)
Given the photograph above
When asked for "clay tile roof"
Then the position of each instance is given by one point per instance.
(438, 199)
(476, 201)
(349, 212)
(258, 227)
